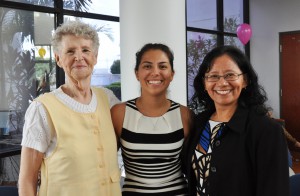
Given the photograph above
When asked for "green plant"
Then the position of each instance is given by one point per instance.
(115, 68)
(116, 88)
(115, 84)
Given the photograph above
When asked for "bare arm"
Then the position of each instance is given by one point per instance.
(186, 117)
(31, 161)
(289, 137)
(117, 116)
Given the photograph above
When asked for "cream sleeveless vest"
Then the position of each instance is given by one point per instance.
(84, 162)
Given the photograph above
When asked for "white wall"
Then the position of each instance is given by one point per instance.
(268, 18)
(144, 21)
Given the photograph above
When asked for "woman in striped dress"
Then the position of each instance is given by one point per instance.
(151, 128)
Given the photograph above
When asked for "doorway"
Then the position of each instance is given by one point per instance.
(290, 81)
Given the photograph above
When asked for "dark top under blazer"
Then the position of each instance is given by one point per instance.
(250, 158)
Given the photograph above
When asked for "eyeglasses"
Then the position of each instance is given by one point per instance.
(227, 77)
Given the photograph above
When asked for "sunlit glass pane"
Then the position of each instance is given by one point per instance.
(25, 70)
(48, 3)
(198, 45)
(105, 7)
(233, 15)
(234, 41)
(201, 14)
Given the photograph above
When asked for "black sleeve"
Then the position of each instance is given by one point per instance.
(272, 160)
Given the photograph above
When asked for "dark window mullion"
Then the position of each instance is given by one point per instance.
(59, 19)
(246, 11)
(220, 22)
(91, 15)
(27, 7)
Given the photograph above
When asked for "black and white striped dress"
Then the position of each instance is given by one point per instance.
(151, 148)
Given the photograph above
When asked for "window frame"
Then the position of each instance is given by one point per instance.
(219, 32)
(220, 25)
(59, 12)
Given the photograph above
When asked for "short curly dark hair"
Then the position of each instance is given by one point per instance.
(252, 95)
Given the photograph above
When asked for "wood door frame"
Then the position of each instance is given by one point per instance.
(281, 68)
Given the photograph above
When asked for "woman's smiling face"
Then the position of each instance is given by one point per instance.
(225, 93)
(77, 57)
(154, 72)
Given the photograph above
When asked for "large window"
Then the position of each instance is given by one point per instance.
(27, 65)
(211, 23)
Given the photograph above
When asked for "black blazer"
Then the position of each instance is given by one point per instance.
(249, 159)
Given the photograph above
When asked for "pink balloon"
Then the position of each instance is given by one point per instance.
(244, 33)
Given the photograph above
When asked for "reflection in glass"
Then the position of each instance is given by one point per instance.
(105, 7)
(45, 69)
(48, 3)
(233, 15)
(107, 70)
(234, 41)
(201, 14)
(198, 45)
(20, 32)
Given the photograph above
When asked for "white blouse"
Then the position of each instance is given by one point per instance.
(36, 132)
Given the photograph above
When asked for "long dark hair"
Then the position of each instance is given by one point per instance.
(252, 95)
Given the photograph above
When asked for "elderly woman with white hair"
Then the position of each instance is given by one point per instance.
(68, 135)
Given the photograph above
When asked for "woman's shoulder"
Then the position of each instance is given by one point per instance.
(119, 106)
(184, 109)
(186, 112)
(260, 117)
(262, 123)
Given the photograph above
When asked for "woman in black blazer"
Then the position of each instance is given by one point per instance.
(234, 149)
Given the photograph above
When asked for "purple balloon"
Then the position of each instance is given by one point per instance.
(244, 33)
